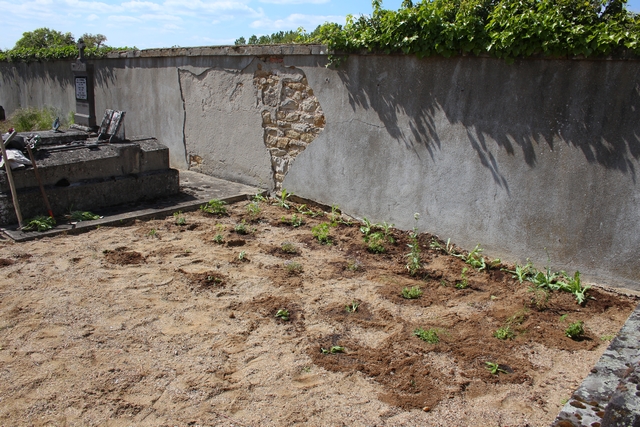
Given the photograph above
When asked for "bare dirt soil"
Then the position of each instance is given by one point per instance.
(155, 323)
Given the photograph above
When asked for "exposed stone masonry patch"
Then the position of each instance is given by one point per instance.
(291, 116)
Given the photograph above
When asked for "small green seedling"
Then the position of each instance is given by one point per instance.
(218, 239)
(283, 201)
(575, 330)
(242, 256)
(353, 307)
(607, 337)
(254, 209)
(448, 248)
(429, 335)
(179, 219)
(411, 293)
(375, 243)
(241, 228)
(259, 198)
(354, 265)
(152, 233)
(39, 223)
(333, 350)
(214, 207)
(521, 272)
(464, 283)
(293, 267)
(289, 248)
(321, 232)
(414, 264)
(574, 285)
(283, 314)
(504, 333)
(494, 368)
(295, 220)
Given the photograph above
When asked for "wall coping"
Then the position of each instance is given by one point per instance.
(312, 49)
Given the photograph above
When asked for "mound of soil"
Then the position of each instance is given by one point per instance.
(163, 324)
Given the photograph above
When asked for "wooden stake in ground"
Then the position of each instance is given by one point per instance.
(12, 186)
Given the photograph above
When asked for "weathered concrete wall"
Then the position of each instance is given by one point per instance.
(538, 154)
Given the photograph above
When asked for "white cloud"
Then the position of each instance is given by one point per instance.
(138, 5)
(92, 17)
(122, 19)
(93, 6)
(308, 22)
(158, 17)
(295, 1)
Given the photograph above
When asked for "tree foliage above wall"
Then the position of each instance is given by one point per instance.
(44, 44)
(503, 28)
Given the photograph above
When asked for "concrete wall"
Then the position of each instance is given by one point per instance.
(538, 154)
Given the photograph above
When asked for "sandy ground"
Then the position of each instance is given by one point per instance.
(154, 323)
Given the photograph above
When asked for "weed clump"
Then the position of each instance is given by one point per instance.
(429, 335)
(321, 232)
(214, 207)
(411, 293)
(575, 330)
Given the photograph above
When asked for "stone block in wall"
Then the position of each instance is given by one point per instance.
(292, 134)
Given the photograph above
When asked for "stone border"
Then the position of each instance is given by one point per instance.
(610, 395)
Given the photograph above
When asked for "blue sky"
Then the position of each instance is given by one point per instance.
(166, 23)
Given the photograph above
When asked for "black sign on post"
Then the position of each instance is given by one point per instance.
(85, 116)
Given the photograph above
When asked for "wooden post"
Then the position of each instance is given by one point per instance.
(12, 186)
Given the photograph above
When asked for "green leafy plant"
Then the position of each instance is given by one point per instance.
(464, 282)
(607, 337)
(218, 239)
(283, 201)
(353, 307)
(574, 285)
(152, 233)
(241, 227)
(429, 335)
(39, 223)
(411, 293)
(179, 219)
(214, 207)
(375, 243)
(504, 333)
(254, 209)
(494, 368)
(242, 256)
(415, 263)
(321, 232)
(476, 260)
(521, 272)
(333, 350)
(448, 248)
(295, 220)
(259, 198)
(575, 330)
(78, 216)
(283, 314)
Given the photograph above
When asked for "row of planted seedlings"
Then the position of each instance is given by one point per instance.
(377, 236)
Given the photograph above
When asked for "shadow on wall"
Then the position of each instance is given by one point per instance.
(590, 105)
